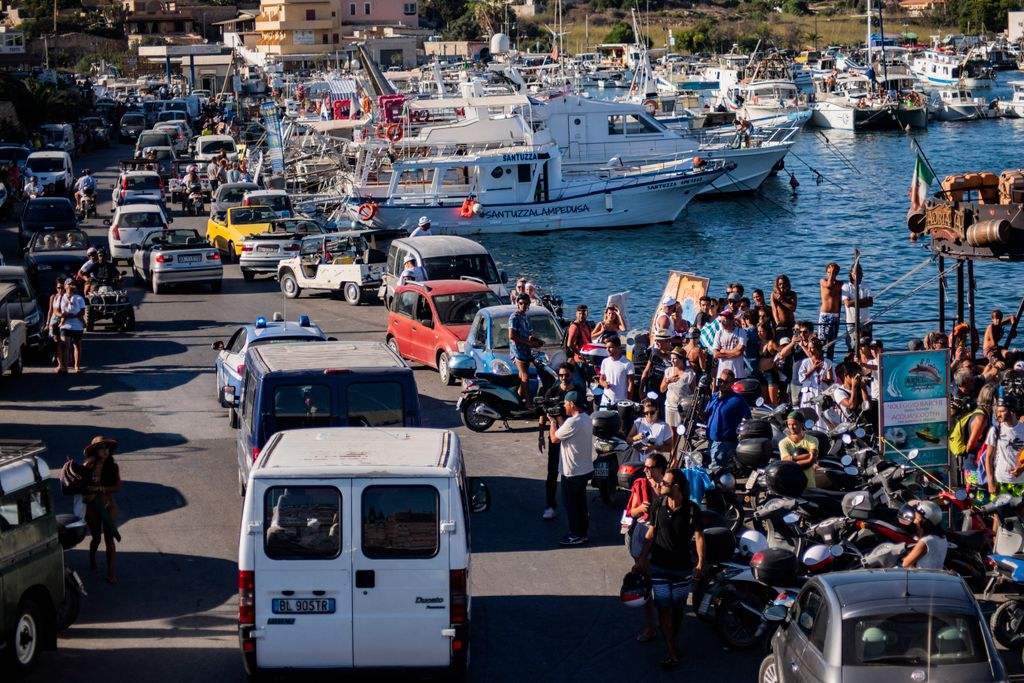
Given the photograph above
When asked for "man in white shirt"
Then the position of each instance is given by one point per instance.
(576, 437)
(728, 346)
(853, 291)
(617, 373)
(1005, 440)
(422, 228)
(412, 272)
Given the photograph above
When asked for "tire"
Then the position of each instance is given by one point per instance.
(216, 286)
(232, 418)
(734, 515)
(443, 371)
(607, 489)
(353, 293)
(700, 588)
(136, 276)
(768, 672)
(473, 421)
(1007, 624)
(290, 286)
(248, 275)
(128, 323)
(90, 320)
(25, 639)
(241, 485)
(67, 611)
(736, 625)
(229, 255)
(19, 365)
(157, 287)
(393, 345)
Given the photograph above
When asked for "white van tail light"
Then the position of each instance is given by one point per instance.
(246, 598)
(459, 596)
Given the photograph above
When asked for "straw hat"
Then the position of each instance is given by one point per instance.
(97, 441)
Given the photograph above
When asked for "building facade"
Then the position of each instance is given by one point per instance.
(320, 27)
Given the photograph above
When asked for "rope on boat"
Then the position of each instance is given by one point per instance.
(836, 152)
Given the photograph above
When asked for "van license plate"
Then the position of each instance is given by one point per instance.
(303, 606)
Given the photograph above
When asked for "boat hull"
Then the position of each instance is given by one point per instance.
(831, 115)
(659, 200)
(752, 168)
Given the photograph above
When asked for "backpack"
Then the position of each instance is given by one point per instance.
(72, 479)
(959, 435)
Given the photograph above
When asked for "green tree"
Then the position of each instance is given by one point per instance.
(621, 32)
(797, 7)
(700, 37)
(442, 13)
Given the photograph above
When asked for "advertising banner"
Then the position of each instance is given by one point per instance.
(275, 147)
(687, 289)
(915, 405)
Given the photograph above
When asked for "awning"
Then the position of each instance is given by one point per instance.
(462, 102)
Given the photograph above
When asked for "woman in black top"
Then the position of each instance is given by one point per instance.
(103, 480)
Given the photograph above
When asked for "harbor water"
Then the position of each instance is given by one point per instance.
(853, 194)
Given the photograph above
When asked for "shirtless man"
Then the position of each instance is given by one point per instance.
(831, 300)
(994, 332)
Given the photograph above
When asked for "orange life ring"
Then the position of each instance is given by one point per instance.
(394, 132)
(698, 162)
(651, 106)
(367, 212)
(460, 112)
(466, 211)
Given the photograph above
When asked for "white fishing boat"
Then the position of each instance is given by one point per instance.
(1015, 107)
(957, 104)
(520, 190)
(766, 94)
(850, 102)
(944, 69)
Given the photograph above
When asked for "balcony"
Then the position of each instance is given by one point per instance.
(295, 24)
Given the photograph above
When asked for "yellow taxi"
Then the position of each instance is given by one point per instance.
(227, 231)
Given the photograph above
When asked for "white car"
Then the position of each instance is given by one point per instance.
(131, 224)
(133, 185)
(180, 135)
(209, 146)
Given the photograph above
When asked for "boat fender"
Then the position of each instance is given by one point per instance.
(367, 212)
(698, 162)
(394, 132)
(466, 210)
(651, 106)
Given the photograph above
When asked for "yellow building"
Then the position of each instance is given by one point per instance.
(299, 27)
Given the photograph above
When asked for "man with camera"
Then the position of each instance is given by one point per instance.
(553, 411)
(575, 435)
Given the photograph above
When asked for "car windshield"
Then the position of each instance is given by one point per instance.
(141, 219)
(913, 639)
(46, 164)
(353, 245)
(52, 135)
(232, 194)
(49, 212)
(133, 120)
(461, 308)
(253, 214)
(59, 241)
(277, 202)
(142, 182)
(454, 267)
(9, 154)
(160, 153)
(177, 237)
(297, 226)
(214, 146)
(544, 328)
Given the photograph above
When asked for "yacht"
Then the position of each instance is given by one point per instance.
(519, 189)
(943, 69)
(1015, 107)
(850, 102)
(958, 104)
(766, 94)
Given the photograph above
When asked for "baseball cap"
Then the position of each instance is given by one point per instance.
(572, 397)
(668, 300)
(734, 296)
(1019, 366)
(727, 314)
(875, 344)
(692, 333)
(410, 259)
(423, 221)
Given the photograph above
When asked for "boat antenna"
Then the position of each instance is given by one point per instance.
(881, 34)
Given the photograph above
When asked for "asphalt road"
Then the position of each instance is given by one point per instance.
(540, 612)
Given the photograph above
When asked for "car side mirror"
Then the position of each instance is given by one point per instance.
(426, 322)
(106, 221)
(217, 345)
(479, 495)
(136, 247)
(332, 339)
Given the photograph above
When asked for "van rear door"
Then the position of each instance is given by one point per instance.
(400, 610)
(303, 569)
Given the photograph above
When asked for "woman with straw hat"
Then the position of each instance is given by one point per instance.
(104, 480)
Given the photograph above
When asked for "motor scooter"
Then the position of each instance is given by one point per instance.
(194, 201)
(487, 397)
(71, 531)
(87, 204)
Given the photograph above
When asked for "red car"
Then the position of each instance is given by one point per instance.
(429, 320)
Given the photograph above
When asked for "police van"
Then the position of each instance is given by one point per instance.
(354, 551)
(336, 384)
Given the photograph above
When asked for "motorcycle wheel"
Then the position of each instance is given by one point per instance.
(90, 320)
(735, 624)
(67, 611)
(735, 515)
(474, 421)
(1007, 624)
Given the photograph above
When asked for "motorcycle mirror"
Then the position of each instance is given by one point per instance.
(866, 405)
(653, 395)
(809, 424)
(847, 439)
(835, 551)
(759, 402)
(859, 432)
(776, 613)
(846, 460)
(681, 430)
(791, 518)
(961, 495)
(852, 471)
(858, 499)
(913, 454)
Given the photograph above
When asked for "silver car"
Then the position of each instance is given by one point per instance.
(876, 625)
(176, 256)
(262, 252)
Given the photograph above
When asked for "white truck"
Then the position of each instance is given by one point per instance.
(13, 332)
(340, 262)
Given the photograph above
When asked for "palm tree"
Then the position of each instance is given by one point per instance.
(488, 14)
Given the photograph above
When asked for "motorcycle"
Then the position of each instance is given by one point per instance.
(106, 303)
(194, 201)
(87, 204)
(488, 397)
(71, 531)
(1007, 622)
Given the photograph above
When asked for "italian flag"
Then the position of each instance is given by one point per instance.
(923, 180)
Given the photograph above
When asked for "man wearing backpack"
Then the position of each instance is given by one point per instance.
(967, 438)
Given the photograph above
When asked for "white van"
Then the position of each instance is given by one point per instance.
(58, 136)
(209, 146)
(354, 551)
